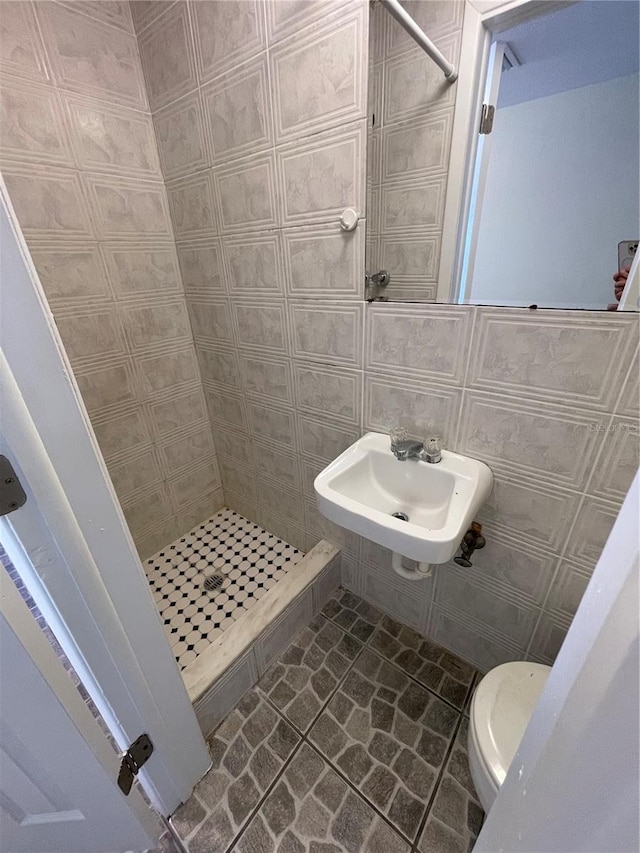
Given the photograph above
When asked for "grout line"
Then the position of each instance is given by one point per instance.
(438, 781)
(357, 791)
(408, 675)
(304, 739)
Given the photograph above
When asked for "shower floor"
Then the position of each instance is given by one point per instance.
(247, 561)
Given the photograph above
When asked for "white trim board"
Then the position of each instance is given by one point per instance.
(75, 533)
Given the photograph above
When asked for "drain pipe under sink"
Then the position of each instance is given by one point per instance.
(424, 570)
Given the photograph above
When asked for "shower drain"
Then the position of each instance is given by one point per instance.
(213, 582)
(401, 515)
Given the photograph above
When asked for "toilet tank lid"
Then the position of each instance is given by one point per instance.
(501, 708)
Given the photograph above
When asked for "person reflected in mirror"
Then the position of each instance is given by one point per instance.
(619, 282)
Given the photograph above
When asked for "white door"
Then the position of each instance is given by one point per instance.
(83, 569)
(58, 791)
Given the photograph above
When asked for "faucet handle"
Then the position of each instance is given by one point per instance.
(397, 435)
(432, 449)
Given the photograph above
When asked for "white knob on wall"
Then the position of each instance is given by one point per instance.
(349, 219)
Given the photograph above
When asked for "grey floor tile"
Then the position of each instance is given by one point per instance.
(353, 614)
(308, 671)
(312, 810)
(388, 736)
(456, 816)
(431, 665)
(248, 749)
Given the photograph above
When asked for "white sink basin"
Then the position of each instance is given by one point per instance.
(366, 484)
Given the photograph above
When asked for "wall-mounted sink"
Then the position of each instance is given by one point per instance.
(366, 488)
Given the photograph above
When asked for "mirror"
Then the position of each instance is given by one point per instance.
(554, 213)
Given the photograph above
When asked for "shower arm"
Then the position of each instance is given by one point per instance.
(406, 22)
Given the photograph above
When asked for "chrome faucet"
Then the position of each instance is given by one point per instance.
(404, 448)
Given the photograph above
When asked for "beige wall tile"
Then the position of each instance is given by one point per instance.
(219, 365)
(167, 370)
(211, 320)
(417, 147)
(272, 424)
(335, 392)
(421, 409)
(413, 84)
(437, 18)
(167, 58)
(246, 194)
(112, 139)
(324, 260)
(554, 355)
(22, 49)
(178, 412)
(108, 65)
(237, 107)
(227, 34)
(318, 78)
(268, 377)
(529, 511)
(49, 202)
(306, 195)
(32, 124)
(254, 264)
(535, 439)
(123, 433)
(188, 450)
(275, 463)
(91, 334)
(181, 136)
(71, 272)
(324, 439)
(202, 266)
(619, 459)
(332, 334)
(192, 208)
(156, 324)
(261, 325)
(128, 209)
(138, 472)
(136, 271)
(593, 525)
(430, 342)
(103, 388)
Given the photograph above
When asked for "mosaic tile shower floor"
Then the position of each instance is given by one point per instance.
(354, 741)
(248, 560)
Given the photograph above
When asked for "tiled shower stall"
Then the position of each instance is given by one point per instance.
(168, 163)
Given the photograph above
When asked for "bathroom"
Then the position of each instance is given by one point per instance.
(168, 167)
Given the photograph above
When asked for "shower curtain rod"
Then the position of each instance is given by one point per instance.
(406, 21)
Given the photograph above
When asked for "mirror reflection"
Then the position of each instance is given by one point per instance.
(555, 208)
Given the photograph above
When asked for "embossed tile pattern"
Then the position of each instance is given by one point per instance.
(375, 762)
(246, 558)
(389, 736)
(302, 679)
(431, 665)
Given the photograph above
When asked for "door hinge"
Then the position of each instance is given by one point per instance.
(133, 759)
(486, 118)
(12, 495)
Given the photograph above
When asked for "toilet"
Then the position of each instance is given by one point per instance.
(500, 711)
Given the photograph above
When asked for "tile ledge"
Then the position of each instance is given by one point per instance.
(236, 640)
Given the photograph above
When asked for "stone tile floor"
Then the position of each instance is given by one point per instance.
(354, 740)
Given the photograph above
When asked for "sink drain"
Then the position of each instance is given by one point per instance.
(213, 582)
(401, 515)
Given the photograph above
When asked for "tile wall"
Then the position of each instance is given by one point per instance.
(260, 116)
(549, 400)
(80, 161)
(410, 125)
(260, 120)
